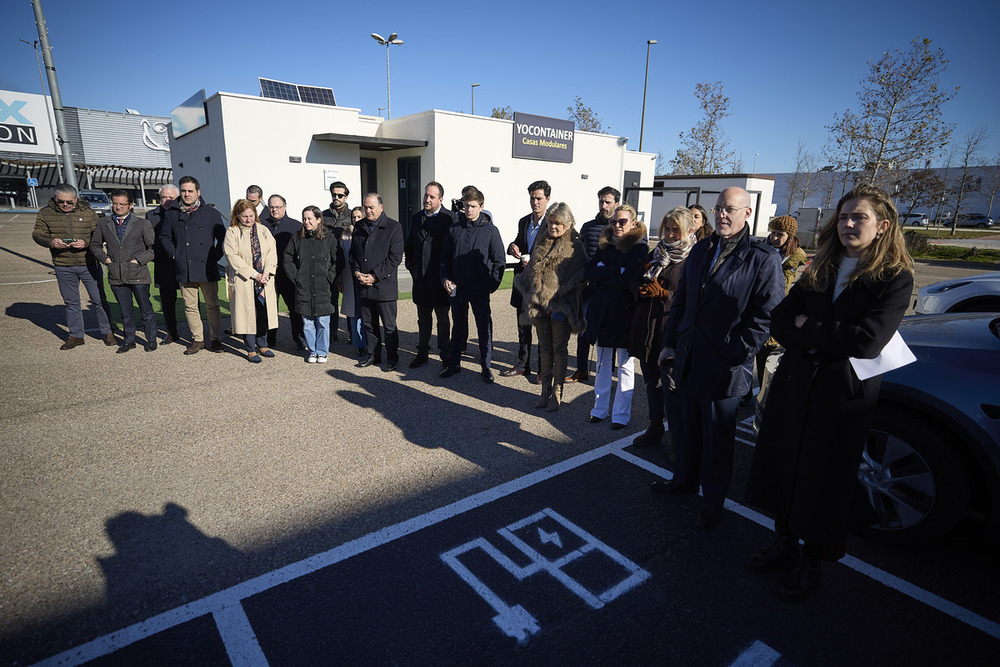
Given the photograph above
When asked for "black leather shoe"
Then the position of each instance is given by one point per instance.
(708, 516)
(365, 361)
(803, 580)
(488, 376)
(419, 361)
(449, 371)
(615, 426)
(783, 554)
(217, 346)
(649, 439)
(390, 366)
(671, 487)
(125, 347)
(151, 346)
(595, 420)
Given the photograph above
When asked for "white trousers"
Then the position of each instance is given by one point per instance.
(602, 385)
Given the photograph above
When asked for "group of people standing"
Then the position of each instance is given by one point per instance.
(697, 310)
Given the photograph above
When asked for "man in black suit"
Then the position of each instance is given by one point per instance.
(376, 252)
(283, 227)
(163, 266)
(428, 229)
(529, 228)
(719, 318)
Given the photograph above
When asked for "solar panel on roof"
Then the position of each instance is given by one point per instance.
(316, 95)
(281, 90)
(278, 90)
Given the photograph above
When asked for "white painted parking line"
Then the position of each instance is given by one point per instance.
(514, 620)
(30, 282)
(222, 601)
(239, 638)
(758, 655)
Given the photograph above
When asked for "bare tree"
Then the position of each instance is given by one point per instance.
(991, 185)
(736, 164)
(827, 185)
(705, 144)
(971, 145)
(661, 163)
(803, 181)
(585, 118)
(502, 112)
(842, 148)
(900, 117)
(921, 187)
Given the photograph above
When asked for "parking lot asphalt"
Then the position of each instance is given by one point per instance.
(138, 485)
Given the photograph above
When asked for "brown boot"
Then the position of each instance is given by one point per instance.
(543, 399)
(555, 400)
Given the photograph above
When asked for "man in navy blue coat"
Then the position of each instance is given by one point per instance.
(376, 252)
(719, 318)
(194, 238)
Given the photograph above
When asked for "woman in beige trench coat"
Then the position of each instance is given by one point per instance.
(253, 260)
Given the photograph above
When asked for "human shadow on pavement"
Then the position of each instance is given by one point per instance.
(157, 547)
(47, 317)
(475, 434)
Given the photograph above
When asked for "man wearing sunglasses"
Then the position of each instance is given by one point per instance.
(337, 218)
(65, 226)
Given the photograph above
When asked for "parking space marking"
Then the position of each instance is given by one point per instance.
(30, 282)
(758, 655)
(515, 621)
(238, 636)
(232, 597)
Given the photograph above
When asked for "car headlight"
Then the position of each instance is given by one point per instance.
(948, 287)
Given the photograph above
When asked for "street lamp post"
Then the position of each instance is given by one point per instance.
(642, 123)
(392, 39)
(41, 81)
(755, 162)
(474, 86)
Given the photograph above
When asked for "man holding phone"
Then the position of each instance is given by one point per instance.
(65, 226)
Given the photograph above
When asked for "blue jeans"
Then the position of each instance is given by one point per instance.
(316, 329)
(69, 279)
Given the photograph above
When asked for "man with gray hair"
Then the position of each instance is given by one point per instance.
(163, 265)
(65, 226)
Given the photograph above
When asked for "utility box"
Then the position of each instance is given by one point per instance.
(810, 221)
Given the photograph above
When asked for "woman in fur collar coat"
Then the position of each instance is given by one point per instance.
(621, 256)
(552, 285)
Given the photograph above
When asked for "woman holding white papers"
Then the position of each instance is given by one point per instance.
(848, 303)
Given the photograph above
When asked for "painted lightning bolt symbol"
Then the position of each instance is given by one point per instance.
(549, 538)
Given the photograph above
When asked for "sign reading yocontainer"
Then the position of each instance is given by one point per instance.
(542, 138)
(24, 123)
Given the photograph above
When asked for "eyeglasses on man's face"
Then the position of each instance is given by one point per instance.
(728, 210)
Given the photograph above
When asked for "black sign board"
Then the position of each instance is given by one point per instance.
(543, 138)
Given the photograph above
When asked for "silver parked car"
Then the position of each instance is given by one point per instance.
(971, 294)
(98, 201)
(933, 454)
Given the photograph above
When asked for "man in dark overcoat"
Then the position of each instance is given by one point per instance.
(376, 252)
(283, 227)
(719, 319)
(164, 271)
(428, 229)
(528, 230)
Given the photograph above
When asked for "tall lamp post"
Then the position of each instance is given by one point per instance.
(642, 123)
(392, 39)
(474, 86)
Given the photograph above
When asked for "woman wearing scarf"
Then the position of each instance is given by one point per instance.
(253, 260)
(653, 291)
(552, 287)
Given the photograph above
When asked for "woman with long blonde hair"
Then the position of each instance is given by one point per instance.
(848, 304)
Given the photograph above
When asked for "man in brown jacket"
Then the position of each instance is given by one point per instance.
(65, 226)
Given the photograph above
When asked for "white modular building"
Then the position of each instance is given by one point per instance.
(297, 149)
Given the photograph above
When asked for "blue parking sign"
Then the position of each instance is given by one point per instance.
(32, 182)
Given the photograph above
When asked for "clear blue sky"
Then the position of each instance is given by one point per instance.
(787, 66)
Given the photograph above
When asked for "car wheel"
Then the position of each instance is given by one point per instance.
(914, 486)
(981, 225)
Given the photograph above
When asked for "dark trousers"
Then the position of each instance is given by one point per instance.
(258, 340)
(372, 313)
(706, 444)
(424, 322)
(335, 315)
(168, 304)
(819, 551)
(523, 342)
(553, 350)
(123, 295)
(460, 328)
(286, 290)
(661, 394)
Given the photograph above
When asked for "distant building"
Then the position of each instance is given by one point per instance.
(110, 150)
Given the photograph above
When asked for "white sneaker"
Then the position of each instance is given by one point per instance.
(313, 358)
(320, 360)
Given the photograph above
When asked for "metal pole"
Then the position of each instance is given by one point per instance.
(388, 97)
(69, 173)
(41, 81)
(642, 123)
(474, 98)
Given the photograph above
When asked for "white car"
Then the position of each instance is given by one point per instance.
(972, 294)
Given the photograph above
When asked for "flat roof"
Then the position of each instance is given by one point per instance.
(370, 143)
